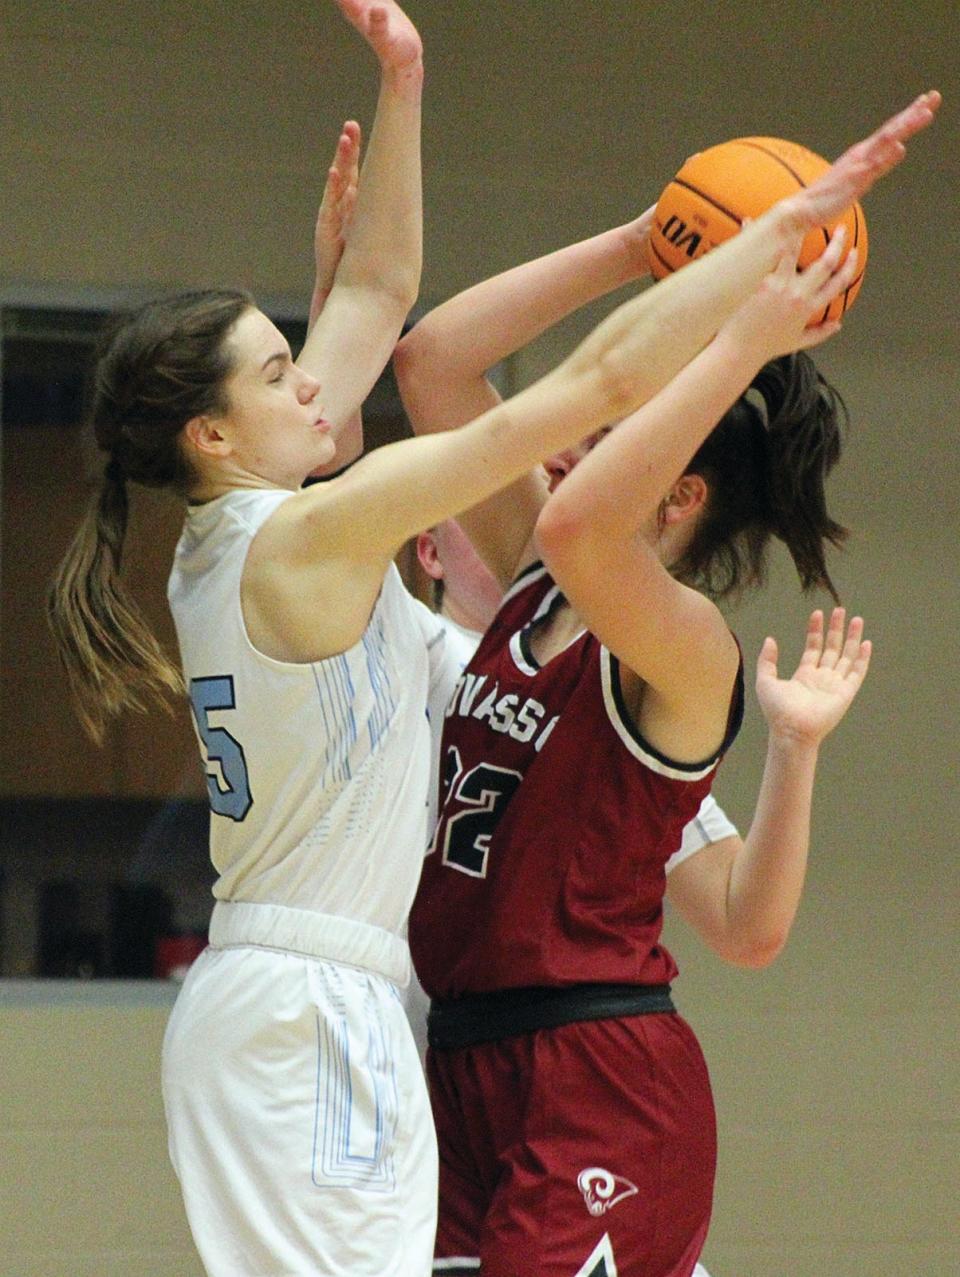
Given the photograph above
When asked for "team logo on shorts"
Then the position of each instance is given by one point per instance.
(602, 1189)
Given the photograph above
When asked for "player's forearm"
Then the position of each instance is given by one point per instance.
(384, 249)
(646, 341)
(398, 489)
(767, 877)
(614, 489)
(476, 329)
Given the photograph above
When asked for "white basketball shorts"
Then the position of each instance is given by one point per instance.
(297, 1112)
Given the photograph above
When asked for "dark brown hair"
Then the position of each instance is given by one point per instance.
(766, 465)
(156, 369)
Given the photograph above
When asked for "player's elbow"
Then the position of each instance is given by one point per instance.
(756, 952)
(417, 365)
(403, 287)
(392, 278)
(389, 292)
(563, 532)
(417, 354)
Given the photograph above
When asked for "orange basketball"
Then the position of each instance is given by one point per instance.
(714, 191)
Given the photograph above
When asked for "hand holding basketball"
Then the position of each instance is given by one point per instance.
(785, 313)
(717, 190)
(637, 240)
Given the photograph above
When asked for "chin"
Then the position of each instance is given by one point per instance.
(332, 462)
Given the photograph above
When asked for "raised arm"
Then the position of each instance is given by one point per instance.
(378, 276)
(442, 363)
(332, 227)
(607, 531)
(334, 215)
(339, 537)
(611, 530)
(742, 896)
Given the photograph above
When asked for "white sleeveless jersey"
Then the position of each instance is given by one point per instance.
(318, 772)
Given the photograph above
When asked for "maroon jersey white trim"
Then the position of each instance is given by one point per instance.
(557, 819)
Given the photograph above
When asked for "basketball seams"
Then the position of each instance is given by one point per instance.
(668, 268)
(773, 156)
(697, 217)
(695, 190)
(854, 287)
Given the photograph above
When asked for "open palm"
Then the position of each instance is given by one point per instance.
(809, 704)
(336, 206)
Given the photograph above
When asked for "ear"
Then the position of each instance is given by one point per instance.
(428, 556)
(204, 435)
(686, 498)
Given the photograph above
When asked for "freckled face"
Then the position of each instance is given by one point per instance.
(274, 420)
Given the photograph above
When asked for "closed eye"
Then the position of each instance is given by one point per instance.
(278, 362)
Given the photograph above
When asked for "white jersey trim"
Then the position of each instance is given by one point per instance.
(516, 644)
(527, 577)
(316, 935)
(711, 824)
(516, 651)
(634, 742)
(454, 1263)
(519, 640)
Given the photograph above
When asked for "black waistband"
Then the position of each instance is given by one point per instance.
(487, 1017)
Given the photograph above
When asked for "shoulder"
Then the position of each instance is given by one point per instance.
(687, 733)
(243, 509)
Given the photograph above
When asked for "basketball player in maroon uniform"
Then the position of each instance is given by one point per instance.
(573, 1106)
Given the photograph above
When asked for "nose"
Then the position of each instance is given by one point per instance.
(559, 466)
(309, 388)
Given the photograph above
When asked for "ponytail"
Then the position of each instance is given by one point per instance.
(111, 657)
(766, 464)
(158, 368)
(805, 416)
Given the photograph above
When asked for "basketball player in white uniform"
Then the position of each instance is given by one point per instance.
(317, 774)
(298, 1119)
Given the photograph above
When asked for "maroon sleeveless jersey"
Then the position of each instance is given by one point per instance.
(556, 820)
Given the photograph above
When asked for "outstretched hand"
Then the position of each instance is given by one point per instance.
(807, 706)
(389, 32)
(852, 175)
(336, 209)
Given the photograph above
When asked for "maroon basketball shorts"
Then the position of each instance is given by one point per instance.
(579, 1151)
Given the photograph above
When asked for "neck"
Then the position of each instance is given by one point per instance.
(461, 615)
(557, 632)
(209, 487)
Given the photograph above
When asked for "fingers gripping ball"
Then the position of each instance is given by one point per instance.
(714, 191)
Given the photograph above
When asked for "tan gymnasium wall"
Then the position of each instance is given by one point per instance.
(162, 146)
